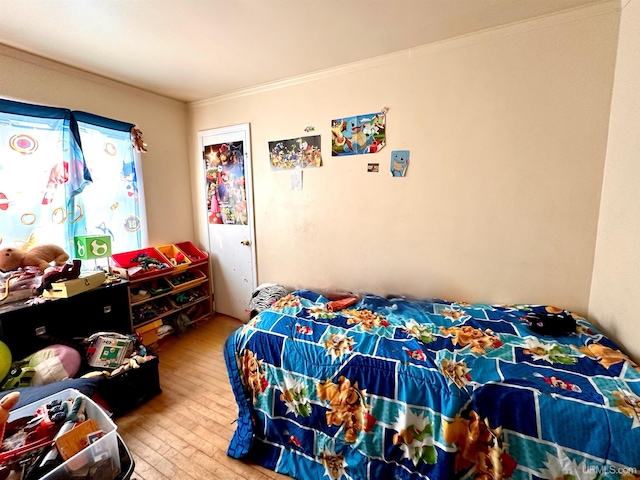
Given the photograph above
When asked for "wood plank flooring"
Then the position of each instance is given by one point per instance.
(183, 433)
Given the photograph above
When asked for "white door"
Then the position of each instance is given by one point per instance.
(226, 163)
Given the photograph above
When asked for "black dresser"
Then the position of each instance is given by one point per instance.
(28, 328)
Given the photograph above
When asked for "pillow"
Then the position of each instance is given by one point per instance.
(264, 296)
(28, 395)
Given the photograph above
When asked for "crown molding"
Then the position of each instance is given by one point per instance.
(536, 23)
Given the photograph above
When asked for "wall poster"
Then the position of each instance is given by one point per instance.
(299, 152)
(358, 135)
(226, 194)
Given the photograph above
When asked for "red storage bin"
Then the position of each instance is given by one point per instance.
(192, 252)
(130, 265)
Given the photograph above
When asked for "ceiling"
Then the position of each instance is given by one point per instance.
(192, 50)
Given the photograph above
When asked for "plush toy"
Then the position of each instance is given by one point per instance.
(132, 363)
(138, 142)
(40, 256)
(51, 364)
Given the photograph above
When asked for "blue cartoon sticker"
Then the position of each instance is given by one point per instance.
(399, 162)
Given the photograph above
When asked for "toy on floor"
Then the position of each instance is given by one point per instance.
(138, 357)
(51, 364)
(5, 360)
(40, 256)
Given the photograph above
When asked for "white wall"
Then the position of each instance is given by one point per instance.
(507, 131)
(615, 293)
(31, 79)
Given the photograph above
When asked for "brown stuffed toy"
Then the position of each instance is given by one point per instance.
(40, 256)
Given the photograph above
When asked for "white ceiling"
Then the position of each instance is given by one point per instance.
(192, 50)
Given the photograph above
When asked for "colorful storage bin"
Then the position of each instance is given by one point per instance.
(178, 259)
(140, 263)
(187, 280)
(149, 332)
(157, 286)
(192, 252)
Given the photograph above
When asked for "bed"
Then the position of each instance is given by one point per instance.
(394, 388)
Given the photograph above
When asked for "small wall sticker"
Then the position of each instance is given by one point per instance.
(399, 162)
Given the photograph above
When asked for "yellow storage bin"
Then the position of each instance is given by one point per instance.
(178, 259)
(149, 332)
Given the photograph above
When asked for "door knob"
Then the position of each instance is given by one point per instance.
(246, 243)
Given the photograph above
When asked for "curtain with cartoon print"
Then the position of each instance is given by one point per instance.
(112, 203)
(64, 174)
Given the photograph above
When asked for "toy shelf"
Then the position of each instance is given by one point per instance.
(176, 309)
(173, 291)
(147, 321)
(191, 285)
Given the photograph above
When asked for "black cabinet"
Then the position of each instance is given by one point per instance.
(28, 328)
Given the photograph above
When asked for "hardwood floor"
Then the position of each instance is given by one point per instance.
(183, 433)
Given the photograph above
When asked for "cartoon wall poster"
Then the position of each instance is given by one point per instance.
(358, 135)
(299, 152)
(226, 194)
(399, 162)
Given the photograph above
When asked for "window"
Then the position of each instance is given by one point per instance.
(64, 174)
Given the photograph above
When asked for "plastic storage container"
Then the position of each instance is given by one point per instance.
(157, 286)
(186, 280)
(102, 454)
(130, 389)
(149, 332)
(127, 266)
(144, 312)
(192, 252)
(127, 464)
(177, 257)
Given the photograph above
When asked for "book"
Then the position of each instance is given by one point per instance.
(76, 439)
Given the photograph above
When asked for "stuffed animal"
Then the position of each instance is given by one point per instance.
(40, 256)
(51, 364)
(138, 142)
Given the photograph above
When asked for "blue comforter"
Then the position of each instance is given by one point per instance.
(391, 388)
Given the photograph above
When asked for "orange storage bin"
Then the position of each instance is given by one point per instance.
(149, 332)
(178, 259)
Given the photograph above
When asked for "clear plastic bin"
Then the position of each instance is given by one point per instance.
(100, 454)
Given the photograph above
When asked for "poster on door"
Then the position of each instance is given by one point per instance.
(226, 193)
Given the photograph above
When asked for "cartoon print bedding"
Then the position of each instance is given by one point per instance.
(398, 389)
